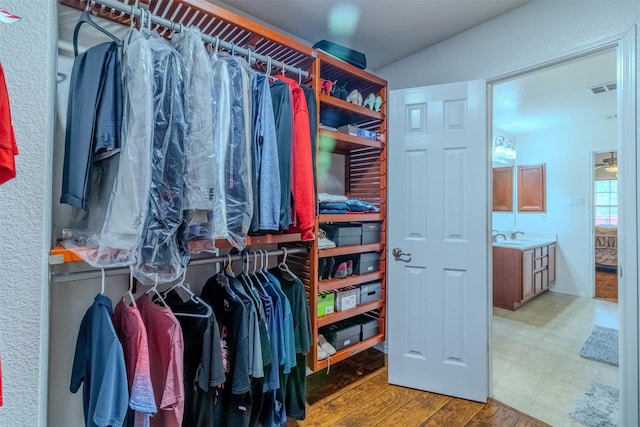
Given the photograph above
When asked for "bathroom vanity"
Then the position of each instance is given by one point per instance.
(522, 270)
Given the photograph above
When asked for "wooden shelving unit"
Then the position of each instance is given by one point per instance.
(365, 179)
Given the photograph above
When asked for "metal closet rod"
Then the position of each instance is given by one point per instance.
(75, 276)
(137, 12)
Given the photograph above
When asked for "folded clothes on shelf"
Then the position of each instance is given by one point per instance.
(329, 198)
(348, 206)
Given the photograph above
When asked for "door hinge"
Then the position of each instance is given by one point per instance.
(620, 270)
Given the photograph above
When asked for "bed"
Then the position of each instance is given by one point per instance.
(606, 248)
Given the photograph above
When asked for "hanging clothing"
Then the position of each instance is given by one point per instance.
(221, 107)
(312, 108)
(1, 402)
(198, 96)
(266, 168)
(237, 163)
(233, 404)
(93, 119)
(99, 364)
(302, 178)
(129, 202)
(296, 382)
(166, 347)
(283, 115)
(203, 369)
(165, 251)
(8, 146)
(133, 337)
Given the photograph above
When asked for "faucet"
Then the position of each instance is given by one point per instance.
(494, 238)
(514, 234)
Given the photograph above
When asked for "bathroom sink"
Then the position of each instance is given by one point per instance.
(524, 243)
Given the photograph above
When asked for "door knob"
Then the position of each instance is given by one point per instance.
(398, 254)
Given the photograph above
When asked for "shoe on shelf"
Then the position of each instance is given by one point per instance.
(322, 265)
(321, 353)
(326, 346)
(331, 261)
(349, 267)
(323, 241)
(369, 101)
(354, 97)
(341, 271)
(377, 104)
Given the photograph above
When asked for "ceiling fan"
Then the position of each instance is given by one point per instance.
(610, 164)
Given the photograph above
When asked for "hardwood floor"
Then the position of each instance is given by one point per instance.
(607, 286)
(355, 393)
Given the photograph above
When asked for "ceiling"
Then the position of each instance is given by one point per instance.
(384, 30)
(558, 96)
(388, 30)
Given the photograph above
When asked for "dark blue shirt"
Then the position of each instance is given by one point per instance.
(99, 363)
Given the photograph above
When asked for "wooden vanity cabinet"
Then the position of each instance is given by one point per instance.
(532, 193)
(520, 275)
(503, 189)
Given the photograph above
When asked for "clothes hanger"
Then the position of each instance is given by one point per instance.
(130, 290)
(180, 284)
(283, 68)
(154, 289)
(101, 281)
(85, 17)
(283, 264)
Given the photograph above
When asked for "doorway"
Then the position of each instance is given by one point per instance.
(554, 115)
(605, 221)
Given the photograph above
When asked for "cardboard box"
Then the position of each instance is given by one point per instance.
(344, 234)
(367, 262)
(347, 298)
(342, 334)
(370, 292)
(326, 303)
(371, 232)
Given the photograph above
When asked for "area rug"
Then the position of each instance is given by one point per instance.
(602, 345)
(599, 406)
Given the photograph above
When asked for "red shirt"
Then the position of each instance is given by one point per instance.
(8, 147)
(302, 188)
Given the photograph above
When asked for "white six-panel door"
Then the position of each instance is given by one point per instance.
(438, 311)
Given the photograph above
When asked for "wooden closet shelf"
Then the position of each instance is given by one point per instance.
(355, 113)
(339, 142)
(348, 250)
(64, 255)
(213, 21)
(346, 314)
(333, 284)
(345, 353)
(360, 217)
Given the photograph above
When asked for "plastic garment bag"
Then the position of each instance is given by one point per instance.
(164, 251)
(198, 99)
(109, 234)
(237, 160)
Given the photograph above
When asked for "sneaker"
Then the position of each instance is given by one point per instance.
(349, 267)
(322, 265)
(323, 241)
(341, 271)
(328, 270)
(326, 346)
(321, 353)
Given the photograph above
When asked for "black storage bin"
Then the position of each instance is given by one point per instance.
(344, 234)
(370, 292)
(369, 325)
(371, 232)
(367, 262)
(342, 334)
(353, 57)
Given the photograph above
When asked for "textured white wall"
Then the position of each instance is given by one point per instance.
(27, 56)
(538, 30)
(567, 155)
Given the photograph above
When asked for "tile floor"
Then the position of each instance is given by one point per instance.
(536, 363)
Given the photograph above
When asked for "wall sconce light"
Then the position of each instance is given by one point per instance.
(504, 148)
